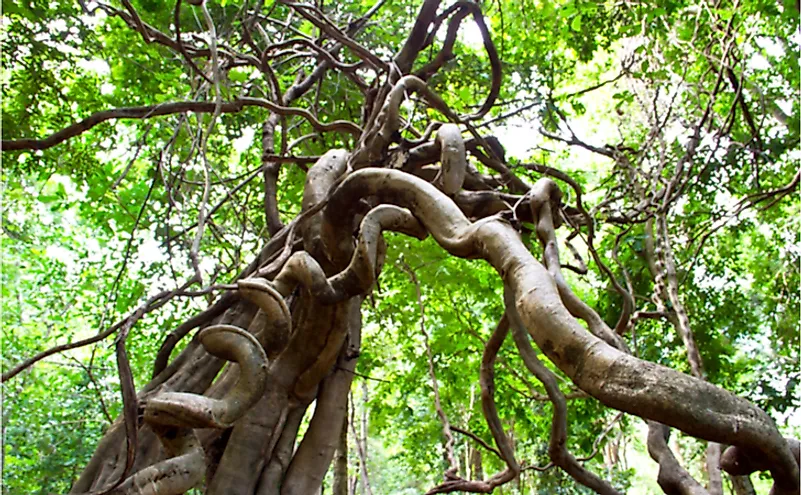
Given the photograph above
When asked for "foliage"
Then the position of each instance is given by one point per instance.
(98, 223)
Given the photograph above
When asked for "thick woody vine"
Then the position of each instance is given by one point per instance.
(290, 323)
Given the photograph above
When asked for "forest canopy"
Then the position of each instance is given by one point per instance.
(388, 247)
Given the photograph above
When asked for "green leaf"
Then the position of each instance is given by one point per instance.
(236, 75)
(575, 24)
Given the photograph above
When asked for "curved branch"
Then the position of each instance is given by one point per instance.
(417, 38)
(173, 476)
(174, 415)
(182, 409)
(303, 269)
(505, 449)
(587, 220)
(151, 304)
(545, 198)
(327, 55)
(376, 139)
(320, 180)
(60, 348)
(169, 343)
(454, 162)
(515, 183)
(331, 30)
(169, 109)
(556, 449)
(179, 43)
(738, 461)
(477, 439)
(446, 53)
(672, 477)
(148, 32)
(617, 379)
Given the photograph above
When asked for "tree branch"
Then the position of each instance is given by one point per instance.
(147, 112)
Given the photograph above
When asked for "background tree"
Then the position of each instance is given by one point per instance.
(228, 170)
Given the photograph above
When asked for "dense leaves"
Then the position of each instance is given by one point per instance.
(611, 93)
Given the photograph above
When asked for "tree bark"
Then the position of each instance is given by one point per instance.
(662, 265)
(361, 447)
(340, 486)
(715, 486)
(476, 466)
(742, 485)
(270, 173)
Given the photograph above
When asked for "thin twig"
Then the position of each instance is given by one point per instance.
(453, 468)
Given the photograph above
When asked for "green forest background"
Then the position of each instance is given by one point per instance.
(88, 231)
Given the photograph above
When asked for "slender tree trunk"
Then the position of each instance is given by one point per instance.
(713, 469)
(341, 461)
(742, 485)
(353, 481)
(476, 467)
(661, 263)
(361, 446)
(366, 489)
(270, 173)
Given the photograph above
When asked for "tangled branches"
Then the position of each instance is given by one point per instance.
(291, 321)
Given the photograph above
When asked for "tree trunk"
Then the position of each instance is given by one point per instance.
(661, 263)
(270, 174)
(715, 486)
(742, 485)
(476, 467)
(361, 447)
(341, 461)
(309, 352)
